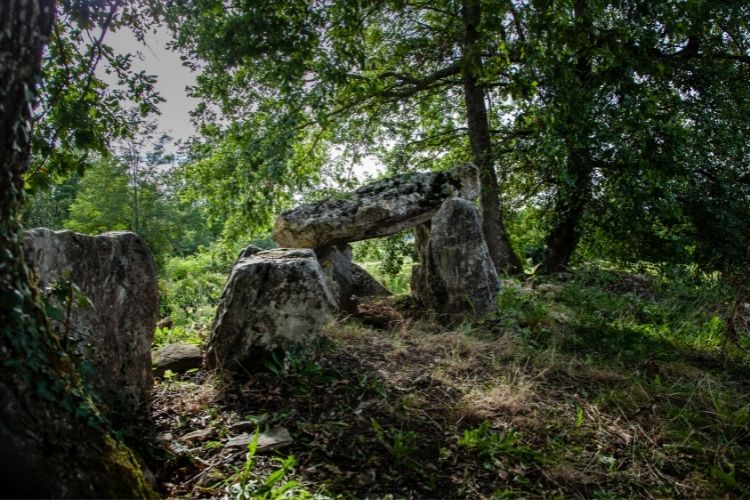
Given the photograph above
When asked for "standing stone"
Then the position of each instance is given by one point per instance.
(336, 262)
(378, 209)
(365, 286)
(456, 277)
(419, 285)
(347, 281)
(274, 299)
(111, 338)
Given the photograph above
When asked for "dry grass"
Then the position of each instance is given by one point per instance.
(533, 406)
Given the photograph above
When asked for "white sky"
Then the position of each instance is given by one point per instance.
(172, 78)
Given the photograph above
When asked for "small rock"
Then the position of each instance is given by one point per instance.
(278, 437)
(197, 436)
(177, 358)
(368, 476)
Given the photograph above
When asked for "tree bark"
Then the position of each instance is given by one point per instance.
(502, 254)
(574, 191)
(570, 204)
(53, 442)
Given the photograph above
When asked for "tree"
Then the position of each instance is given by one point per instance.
(608, 100)
(54, 443)
(305, 78)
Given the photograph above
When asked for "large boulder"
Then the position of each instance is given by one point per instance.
(456, 276)
(273, 299)
(110, 337)
(378, 209)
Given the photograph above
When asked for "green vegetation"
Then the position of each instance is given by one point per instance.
(617, 362)
(600, 382)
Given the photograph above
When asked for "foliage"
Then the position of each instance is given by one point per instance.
(493, 446)
(269, 488)
(80, 113)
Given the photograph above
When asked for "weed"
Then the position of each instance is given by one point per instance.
(399, 443)
(276, 485)
(492, 446)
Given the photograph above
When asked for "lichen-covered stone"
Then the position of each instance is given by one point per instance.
(456, 277)
(274, 299)
(378, 209)
(112, 336)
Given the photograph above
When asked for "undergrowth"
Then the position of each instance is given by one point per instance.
(595, 384)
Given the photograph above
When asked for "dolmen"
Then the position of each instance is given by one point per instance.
(279, 298)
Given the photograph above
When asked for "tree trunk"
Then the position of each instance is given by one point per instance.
(570, 204)
(501, 252)
(53, 442)
(574, 191)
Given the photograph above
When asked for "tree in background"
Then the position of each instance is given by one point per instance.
(307, 78)
(623, 108)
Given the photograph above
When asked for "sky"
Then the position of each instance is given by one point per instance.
(172, 81)
(172, 77)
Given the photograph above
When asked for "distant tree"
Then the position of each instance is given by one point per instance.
(104, 201)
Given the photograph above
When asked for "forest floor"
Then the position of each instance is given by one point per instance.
(602, 386)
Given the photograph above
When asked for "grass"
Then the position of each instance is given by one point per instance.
(598, 384)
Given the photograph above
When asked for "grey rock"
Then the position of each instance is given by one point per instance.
(112, 337)
(456, 277)
(348, 281)
(419, 283)
(178, 358)
(278, 437)
(275, 299)
(336, 262)
(365, 286)
(249, 251)
(378, 209)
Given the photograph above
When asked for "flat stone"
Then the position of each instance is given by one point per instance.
(278, 437)
(378, 209)
(178, 358)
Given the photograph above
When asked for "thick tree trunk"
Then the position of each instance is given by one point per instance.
(493, 229)
(570, 204)
(53, 443)
(574, 191)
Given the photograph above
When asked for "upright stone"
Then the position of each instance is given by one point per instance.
(378, 209)
(365, 286)
(336, 262)
(111, 338)
(273, 299)
(456, 277)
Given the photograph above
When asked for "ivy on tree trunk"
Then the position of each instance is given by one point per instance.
(53, 441)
